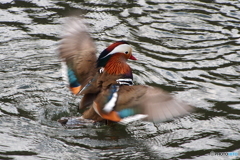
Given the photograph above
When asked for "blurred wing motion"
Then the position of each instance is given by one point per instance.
(78, 51)
(140, 102)
(109, 93)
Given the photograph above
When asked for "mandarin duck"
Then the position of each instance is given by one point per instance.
(106, 82)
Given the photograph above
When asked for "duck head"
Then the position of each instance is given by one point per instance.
(122, 48)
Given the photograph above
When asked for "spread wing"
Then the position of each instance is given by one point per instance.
(147, 102)
(79, 52)
(161, 106)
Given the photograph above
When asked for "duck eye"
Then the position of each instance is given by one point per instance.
(126, 52)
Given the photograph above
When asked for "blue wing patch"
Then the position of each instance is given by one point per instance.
(72, 78)
(126, 112)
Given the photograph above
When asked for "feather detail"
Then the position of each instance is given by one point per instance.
(154, 102)
(101, 62)
(75, 86)
(118, 66)
(112, 116)
(135, 117)
(64, 73)
(70, 77)
(78, 50)
(92, 114)
(125, 81)
(126, 112)
(112, 98)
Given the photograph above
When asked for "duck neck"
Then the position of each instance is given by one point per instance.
(117, 66)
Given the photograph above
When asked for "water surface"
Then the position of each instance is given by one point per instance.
(189, 48)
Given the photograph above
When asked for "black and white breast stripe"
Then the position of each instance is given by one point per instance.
(125, 81)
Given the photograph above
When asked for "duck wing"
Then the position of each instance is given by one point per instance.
(147, 102)
(78, 50)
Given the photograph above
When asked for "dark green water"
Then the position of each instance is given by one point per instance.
(190, 48)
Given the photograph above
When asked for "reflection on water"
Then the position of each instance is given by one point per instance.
(190, 48)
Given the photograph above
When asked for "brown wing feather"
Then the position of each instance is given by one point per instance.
(91, 114)
(154, 102)
(161, 106)
(78, 50)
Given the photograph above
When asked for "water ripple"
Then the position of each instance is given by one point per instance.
(189, 48)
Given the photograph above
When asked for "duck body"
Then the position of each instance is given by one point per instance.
(106, 82)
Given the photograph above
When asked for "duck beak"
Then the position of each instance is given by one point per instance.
(132, 57)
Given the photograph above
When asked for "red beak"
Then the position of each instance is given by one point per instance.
(132, 57)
